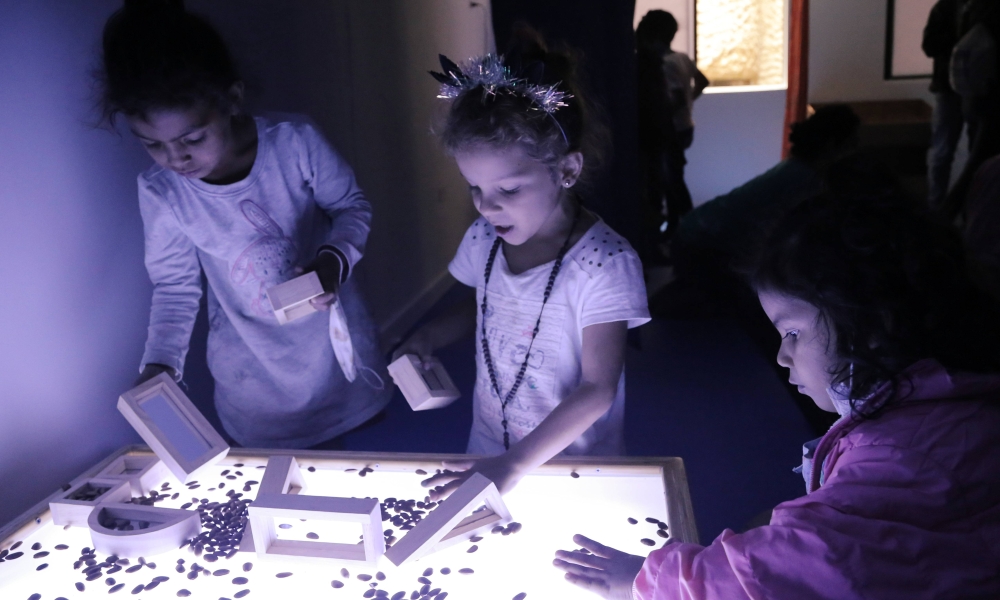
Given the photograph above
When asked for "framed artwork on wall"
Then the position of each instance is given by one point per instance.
(904, 31)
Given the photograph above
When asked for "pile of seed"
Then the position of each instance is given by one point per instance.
(88, 493)
(661, 529)
(223, 524)
(405, 514)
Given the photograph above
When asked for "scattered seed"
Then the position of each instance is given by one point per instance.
(247, 567)
(369, 594)
(445, 571)
(40, 554)
(79, 586)
(423, 580)
(398, 596)
(428, 572)
(16, 545)
(15, 555)
(283, 575)
(220, 572)
(662, 534)
(421, 472)
(285, 526)
(35, 597)
(41, 566)
(466, 571)
(337, 584)
(116, 588)
(520, 596)
(312, 536)
(632, 521)
(36, 546)
(364, 577)
(380, 576)
(652, 520)
(574, 475)
(472, 548)
(241, 593)
(345, 573)
(137, 589)
(183, 593)
(62, 547)
(648, 542)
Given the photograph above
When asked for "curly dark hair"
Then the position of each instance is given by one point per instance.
(157, 55)
(892, 284)
(476, 119)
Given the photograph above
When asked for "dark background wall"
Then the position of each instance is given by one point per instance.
(602, 30)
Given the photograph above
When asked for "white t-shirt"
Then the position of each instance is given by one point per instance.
(600, 282)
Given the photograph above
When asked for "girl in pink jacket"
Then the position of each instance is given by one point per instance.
(881, 323)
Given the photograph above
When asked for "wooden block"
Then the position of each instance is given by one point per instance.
(423, 389)
(168, 528)
(454, 519)
(365, 511)
(66, 510)
(290, 300)
(282, 476)
(144, 473)
(171, 425)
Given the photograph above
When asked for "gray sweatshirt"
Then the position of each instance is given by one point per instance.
(275, 385)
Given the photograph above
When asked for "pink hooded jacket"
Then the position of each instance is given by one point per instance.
(909, 509)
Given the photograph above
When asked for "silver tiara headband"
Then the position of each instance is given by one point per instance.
(490, 73)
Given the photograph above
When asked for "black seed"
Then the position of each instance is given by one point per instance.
(399, 596)
(648, 542)
(465, 571)
(15, 555)
(424, 589)
(662, 534)
(35, 597)
(380, 576)
(152, 585)
(337, 584)
(472, 548)
(423, 580)
(79, 586)
(345, 573)
(312, 536)
(183, 593)
(520, 596)
(445, 571)
(137, 589)
(285, 526)
(16, 545)
(241, 593)
(40, 554)
(364, 577)
(240, 581)
(110, 581)
(62, 547)
(369, 594)
(247, 567)
(574, 475)
(41, 566)
(133, 568)
(311, 469)
(283, 575)
(116, 588)
(632, 521)
(221, 572)
(652, 520)
(36, 546)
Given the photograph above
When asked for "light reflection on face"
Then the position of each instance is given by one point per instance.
(514, 192)
(808, 346)
(193, 142)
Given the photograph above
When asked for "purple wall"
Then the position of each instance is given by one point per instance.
(74, 294)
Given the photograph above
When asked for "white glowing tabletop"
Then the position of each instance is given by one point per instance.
(551, 504)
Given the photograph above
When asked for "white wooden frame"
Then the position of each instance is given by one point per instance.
(409, 374)
(282, 476)
(290, 300)
(451, 521)
(185, 468)
(365, 511)
(76, 512)
(142, 472)
(168, 529)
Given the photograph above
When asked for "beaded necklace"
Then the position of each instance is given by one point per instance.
(488, 358)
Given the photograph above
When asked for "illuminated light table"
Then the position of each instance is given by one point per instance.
(551, 504)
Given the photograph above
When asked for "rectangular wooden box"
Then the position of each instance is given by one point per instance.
(173, 427)
(66, 511)
(423, 389)
(290, 300)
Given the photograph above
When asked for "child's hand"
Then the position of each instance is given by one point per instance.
(607, 572)
(498, 469)
(327, 268)
(151, 370)
(420, 344)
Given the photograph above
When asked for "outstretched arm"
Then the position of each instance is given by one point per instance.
(602, 363)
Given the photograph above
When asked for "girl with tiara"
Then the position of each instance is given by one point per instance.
(556, 288)
(250, 203)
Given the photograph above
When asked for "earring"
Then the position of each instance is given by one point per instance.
(566, 184)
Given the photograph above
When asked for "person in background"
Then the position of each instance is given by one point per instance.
(940, 38)
(880, 323)
(669, 83)
(248, 203)
(556, 288)
(975, 76)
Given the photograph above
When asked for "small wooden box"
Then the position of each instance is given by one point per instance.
(175, 430)
(144, 473)
(423, 389)
(366, 511)
(167, 529)
(290, 300)
(67, 511)
(282, 476)
(453, 521)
